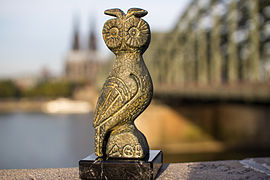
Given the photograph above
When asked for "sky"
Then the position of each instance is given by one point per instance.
(38, 33)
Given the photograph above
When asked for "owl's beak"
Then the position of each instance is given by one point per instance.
(123, 46)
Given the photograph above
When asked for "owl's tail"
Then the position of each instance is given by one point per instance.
(99, 140)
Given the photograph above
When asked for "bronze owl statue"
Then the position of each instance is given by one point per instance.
(128, 89)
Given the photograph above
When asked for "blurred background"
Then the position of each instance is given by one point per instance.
(209, 61)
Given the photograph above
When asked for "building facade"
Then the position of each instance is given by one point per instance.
(83, 61)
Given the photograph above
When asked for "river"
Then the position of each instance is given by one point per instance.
(232, 131)
(39, 140)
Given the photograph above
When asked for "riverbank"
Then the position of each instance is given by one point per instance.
(8, 105)
(21, 105)
(58, 106)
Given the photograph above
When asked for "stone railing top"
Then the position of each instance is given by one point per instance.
(252, 168)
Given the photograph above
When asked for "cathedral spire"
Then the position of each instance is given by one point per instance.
(76, 35)
(92, 41)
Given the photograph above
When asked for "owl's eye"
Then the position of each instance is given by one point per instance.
(137, 32)
(134, 32)
(114, 32)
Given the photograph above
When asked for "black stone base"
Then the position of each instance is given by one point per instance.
(93, 167)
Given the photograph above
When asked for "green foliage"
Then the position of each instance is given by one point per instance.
(51, 89)
(8, 89)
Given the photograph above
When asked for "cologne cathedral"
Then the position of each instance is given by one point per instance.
(83, 61)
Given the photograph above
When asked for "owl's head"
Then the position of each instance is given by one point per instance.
(127, 32)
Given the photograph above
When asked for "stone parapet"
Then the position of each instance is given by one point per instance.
(252, 168)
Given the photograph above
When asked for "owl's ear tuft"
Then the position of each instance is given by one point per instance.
(114, 12)
(137, 12)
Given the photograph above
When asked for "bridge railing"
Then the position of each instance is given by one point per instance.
(214, 42)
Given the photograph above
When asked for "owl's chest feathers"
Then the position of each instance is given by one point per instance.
(133, 72)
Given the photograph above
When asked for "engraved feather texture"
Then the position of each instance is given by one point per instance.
(128, 89)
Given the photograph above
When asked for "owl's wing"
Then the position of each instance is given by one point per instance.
(115, 94)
